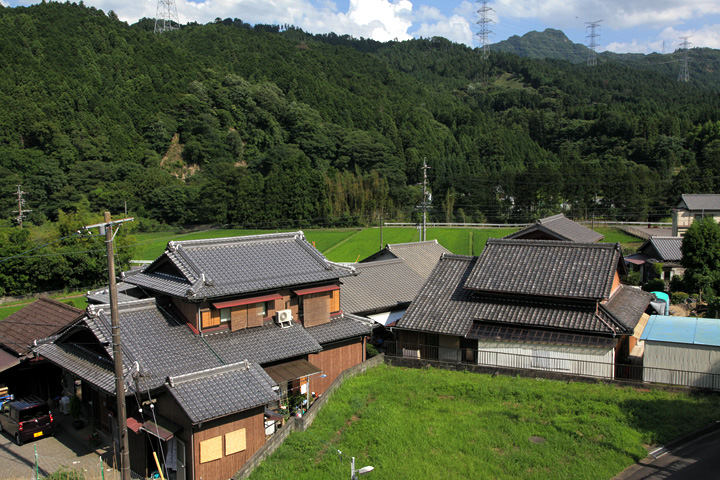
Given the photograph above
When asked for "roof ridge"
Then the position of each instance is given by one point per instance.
(189, 377)
(378, 263)
(62, 305)
(410, 244)
(552, 243)
(241, 238)
(551, 218)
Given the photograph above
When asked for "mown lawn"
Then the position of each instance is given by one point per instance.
(435, 424)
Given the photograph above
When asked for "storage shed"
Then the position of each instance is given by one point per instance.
(682, 351)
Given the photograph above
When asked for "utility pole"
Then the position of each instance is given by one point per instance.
(21, 204)
(592, 56)
(423, 234)
(484, 23)
(684, 74)
(106, 228)
(382, 220)
(166, 16)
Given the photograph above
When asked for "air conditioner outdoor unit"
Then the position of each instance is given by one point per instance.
(284, 318)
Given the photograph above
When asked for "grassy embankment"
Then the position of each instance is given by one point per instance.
(436, 424)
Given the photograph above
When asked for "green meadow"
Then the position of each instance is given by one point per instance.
(354, 244)
(437, 424)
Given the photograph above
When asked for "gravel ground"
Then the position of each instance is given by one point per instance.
(69, 449)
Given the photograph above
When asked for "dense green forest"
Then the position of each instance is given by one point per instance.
(270, 127)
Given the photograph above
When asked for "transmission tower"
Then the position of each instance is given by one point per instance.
(166, 17)
(592, 45)
(684, 73)
(484, 23)
(21, 203)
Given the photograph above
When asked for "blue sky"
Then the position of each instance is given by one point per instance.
(641, 26)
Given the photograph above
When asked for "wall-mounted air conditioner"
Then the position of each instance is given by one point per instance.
(284, 318)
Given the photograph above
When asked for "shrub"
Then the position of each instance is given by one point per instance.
(677, 298)
(371, 350)
(63, 473)
(656, 285)
(633, 278)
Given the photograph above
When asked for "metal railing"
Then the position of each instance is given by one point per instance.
(545, 361)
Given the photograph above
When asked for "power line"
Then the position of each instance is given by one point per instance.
(166, 16)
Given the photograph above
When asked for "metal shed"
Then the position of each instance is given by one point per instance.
(682, 351)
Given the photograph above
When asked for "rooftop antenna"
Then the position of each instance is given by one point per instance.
(684, 73)
(592, 45)
(166, 16)
(484, 24)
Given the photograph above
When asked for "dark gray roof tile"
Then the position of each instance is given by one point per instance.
(221, 391)
(627, 305)
(261, 345)
(700, 201)
(560, 228)
(343, 327)
(666, 249)
(546, 268)
(380, 286)
(232, 266)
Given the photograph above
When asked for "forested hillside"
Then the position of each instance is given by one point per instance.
(264, 126)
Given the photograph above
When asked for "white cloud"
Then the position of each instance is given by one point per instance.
(704, 36)
(455, 28)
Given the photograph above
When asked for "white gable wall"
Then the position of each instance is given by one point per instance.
(588, 361)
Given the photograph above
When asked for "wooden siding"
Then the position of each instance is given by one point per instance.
(189, 311)
(227, 465)
(239, 318)
(316, 309)
(615, 284)
(557, 358)
(333, 360)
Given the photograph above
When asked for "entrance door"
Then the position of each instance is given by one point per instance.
(180, 459)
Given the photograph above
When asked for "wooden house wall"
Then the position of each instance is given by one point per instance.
(316, 309)
(333, 359)
(662, 359)
(592, 361)
(188, 310)
(254, 424)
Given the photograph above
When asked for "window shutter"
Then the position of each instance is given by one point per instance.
(335, 301)
(238, 318)
(210, 318)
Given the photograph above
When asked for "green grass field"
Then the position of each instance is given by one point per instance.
(77, 301)
(436, 424)
(353, 244)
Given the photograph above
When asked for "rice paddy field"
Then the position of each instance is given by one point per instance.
(354, 244)
(437, 424)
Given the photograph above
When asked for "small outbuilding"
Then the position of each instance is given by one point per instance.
(682, 351)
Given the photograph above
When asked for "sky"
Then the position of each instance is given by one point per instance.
(637, 26)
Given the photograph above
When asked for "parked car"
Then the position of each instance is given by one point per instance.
(26, 419)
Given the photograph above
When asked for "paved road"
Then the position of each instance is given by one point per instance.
(696, 460)
(68, 449)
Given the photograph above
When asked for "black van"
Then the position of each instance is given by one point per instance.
(26, 419)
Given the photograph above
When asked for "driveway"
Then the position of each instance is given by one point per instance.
(68, 449)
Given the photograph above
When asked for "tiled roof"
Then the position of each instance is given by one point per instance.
(667, 249)
(420, 256)
(341, 328)
(700, 201)
(152, 336)
(231, 266)
(546, 268)
(221, 391)
(89, 366)
(445, 306)
(41, 319)
(102, 295)
(264, 344)
(560, 227)
(627, 305)
(381, 285)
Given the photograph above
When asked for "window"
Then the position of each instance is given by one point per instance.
(335, 301)
(224, 315)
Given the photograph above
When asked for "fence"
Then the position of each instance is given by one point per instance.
(303, 423)
(545, 365)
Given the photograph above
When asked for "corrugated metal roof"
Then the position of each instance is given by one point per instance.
(700, 201)
(688, 330)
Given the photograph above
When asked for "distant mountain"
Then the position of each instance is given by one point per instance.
(549, 43)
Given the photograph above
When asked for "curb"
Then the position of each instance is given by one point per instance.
(668, 447)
